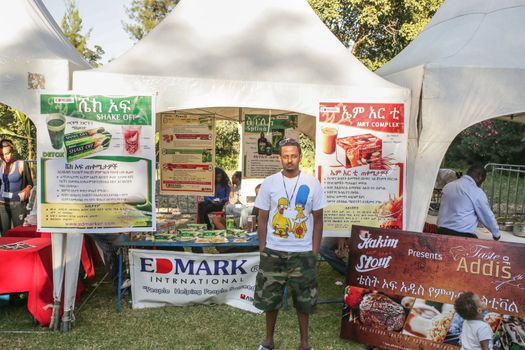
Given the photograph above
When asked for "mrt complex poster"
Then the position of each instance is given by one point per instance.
(187, 155)
(361, 163)
(96, 157)
(261, 136)
(401, 288)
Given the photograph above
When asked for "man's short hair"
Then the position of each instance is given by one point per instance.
(289, 142)
(477, 171)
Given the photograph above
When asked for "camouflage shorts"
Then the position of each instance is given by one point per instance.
(276, 269)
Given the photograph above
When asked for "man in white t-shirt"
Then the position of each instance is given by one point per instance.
(290, 222)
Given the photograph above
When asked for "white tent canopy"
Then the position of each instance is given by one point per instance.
(218, 56)
(34, 54)
(465, 67)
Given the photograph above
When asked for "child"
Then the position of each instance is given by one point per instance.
(476, 333)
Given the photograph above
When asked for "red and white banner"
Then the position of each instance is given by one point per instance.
(361, 163)
(161, 278)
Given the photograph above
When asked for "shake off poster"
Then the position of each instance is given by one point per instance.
(401, 288)
(261, 136)
(96, 157)
(360, 161)
(187, 155)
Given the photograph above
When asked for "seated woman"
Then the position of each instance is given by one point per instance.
(15, 187)
(216, 202)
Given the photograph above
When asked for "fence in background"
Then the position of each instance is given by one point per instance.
(505, 188)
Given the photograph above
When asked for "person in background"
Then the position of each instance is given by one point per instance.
(219, 222)
(236, 204)
(463, 203)
(216, 202)
(334, 251)
(446, 176)
(15, 187)
(290, 228)
(476, 334)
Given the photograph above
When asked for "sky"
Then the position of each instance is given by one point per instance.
(104, 17)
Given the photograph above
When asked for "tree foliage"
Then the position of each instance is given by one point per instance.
(227, 145)
(376, 30)
(72, 28)
(491, 141)
(17, 127)
(145, 15)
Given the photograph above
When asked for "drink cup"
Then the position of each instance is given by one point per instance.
(329, 135)
(250, 227)
(56, 125)
(131, 135)
(230, 222)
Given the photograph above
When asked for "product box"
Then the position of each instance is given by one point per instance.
(353, 151)
(81, 144)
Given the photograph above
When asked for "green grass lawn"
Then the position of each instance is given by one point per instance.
(98, 326)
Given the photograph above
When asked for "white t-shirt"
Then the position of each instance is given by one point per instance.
(290, 202)
(473, 332)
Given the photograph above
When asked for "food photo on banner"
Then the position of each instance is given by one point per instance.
(401, 288)
(361, 163)
(187, 154)
(96, 156)
(261, 136)
(161, 278)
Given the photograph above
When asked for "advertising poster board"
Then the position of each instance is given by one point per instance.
(161, 278)
(96, 157)
(261, 136)
(360, 157)
(187, 155)
(401, 288)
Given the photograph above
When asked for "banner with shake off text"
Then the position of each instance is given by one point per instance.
(96, 160)
(361, 151)
(401, 287)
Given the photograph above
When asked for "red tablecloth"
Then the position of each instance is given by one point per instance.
(29, 270)
(31, 232)
(27, 232)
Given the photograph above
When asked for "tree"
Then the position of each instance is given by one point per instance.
(376, 30)
(227, 144)
(145, 15)
(17, 127)
(72, 28)
(490, 141)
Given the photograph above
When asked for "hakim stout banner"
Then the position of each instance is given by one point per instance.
(160, 278)
(361, 163)
(96, 161)
(261, 136)
(401, 288)
(187, 154)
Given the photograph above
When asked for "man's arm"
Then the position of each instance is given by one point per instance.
(486, 216)
(318, 230)
(262, 228)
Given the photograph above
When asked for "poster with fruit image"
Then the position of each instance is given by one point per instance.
(187, 154)
(360, 158)
(96, 161)
(261, 136)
